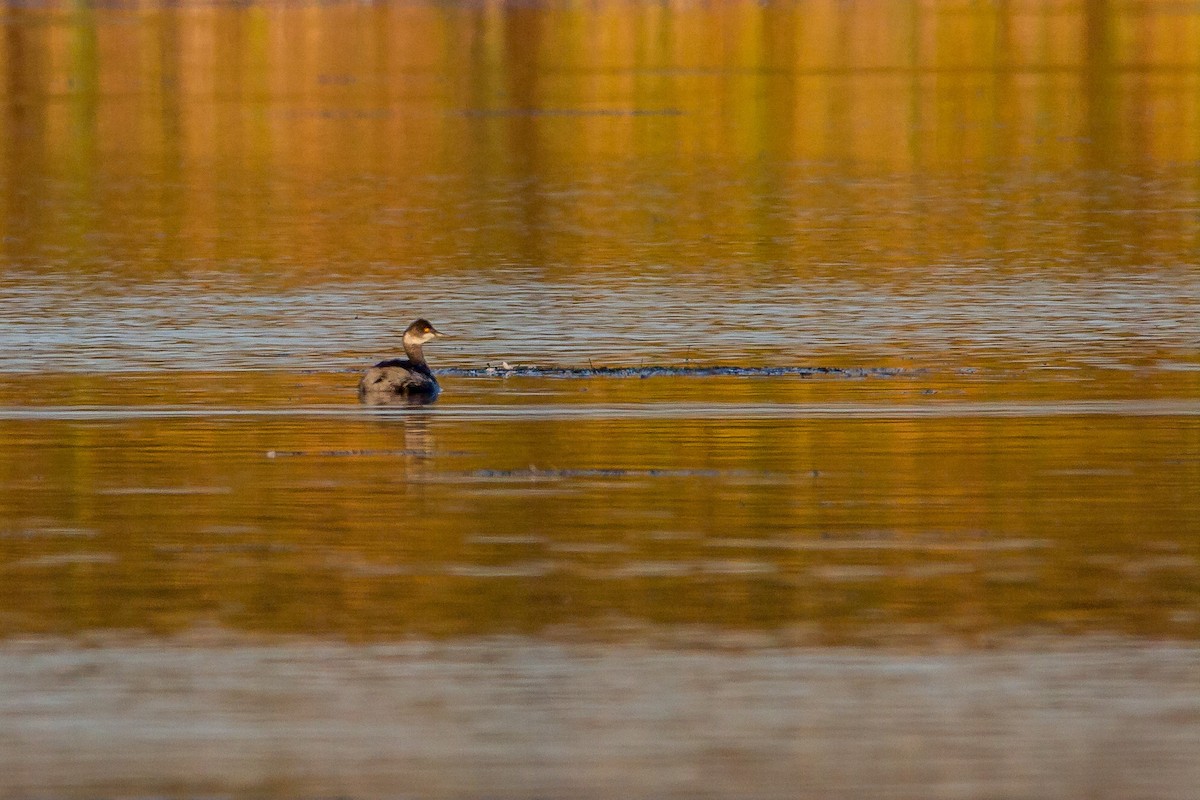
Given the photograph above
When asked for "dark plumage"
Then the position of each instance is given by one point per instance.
(403, 377)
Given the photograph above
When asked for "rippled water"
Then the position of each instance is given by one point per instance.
(822, 387)
(785, 314)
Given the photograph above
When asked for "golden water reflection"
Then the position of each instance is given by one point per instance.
(338, 136)
(214, 214)
(806, 510)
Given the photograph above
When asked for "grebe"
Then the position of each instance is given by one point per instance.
(403, 377)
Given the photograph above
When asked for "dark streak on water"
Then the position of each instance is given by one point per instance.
(534, 473)
(674, 372)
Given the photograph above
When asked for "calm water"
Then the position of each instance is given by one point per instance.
(823, 389)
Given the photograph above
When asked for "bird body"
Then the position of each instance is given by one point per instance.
(408, 378)
(398, 376)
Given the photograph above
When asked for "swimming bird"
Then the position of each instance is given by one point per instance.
(403, 377)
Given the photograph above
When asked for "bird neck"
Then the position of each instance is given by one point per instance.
(414, 352)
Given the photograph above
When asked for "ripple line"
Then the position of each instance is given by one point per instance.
(558, 411)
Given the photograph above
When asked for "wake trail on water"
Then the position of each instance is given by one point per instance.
(506, 370)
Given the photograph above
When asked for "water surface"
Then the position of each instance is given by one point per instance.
(794, 348)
